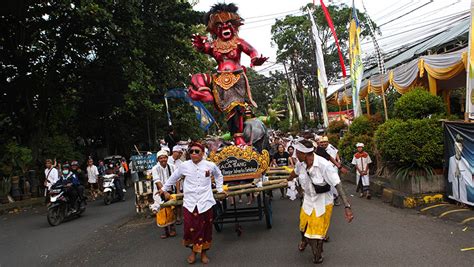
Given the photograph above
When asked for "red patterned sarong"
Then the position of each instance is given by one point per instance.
(197, 229)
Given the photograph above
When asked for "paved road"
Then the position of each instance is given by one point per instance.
(381, 235)
(26, 239)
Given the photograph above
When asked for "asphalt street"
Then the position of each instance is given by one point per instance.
(26, 238)
(380, 235)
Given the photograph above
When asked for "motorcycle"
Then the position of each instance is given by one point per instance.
(110, 190)
(60, 207)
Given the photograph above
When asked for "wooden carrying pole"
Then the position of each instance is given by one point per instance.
(219, 196)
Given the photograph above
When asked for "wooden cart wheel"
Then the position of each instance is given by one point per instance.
(218, 212)
(267, 209)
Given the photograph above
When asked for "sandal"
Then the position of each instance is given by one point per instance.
(302, 246)
(172, 233)
(164, 236)
(204, 260)
(318, 261)
(191, 259)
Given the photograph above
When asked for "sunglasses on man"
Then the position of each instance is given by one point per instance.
(194, 151)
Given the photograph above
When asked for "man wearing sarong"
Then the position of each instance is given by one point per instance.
(198, 200)
(316, 176)
(161, 173)
(361, 160)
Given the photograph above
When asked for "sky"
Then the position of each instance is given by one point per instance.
(396, 30)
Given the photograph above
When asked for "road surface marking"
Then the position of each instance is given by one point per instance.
(451, 211)
(467, 220)
(435, 206)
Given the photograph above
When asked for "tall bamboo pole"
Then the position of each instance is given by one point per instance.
(383, 97)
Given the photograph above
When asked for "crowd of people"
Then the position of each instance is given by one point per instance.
(71, 175)
(314, 179)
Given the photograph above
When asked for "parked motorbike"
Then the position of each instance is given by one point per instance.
(60, 206)
(111, 193)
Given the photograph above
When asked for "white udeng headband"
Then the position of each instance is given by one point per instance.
(302, 148)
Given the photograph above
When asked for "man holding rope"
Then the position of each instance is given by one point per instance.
(316, 176)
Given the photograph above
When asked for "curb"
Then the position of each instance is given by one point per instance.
(397, 198)
(20, 205)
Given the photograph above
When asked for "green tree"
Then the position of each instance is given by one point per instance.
(293, 38)
(93, 73)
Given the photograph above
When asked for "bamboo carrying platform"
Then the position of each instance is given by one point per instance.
(275, 178)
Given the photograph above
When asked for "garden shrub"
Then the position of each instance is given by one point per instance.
(418, 104)
(415, 142)
(335, 127)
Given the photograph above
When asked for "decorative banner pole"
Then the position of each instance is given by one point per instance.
(380, 61)
(321, 70)
(357, 69)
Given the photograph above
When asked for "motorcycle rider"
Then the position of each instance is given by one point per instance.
(70, 180)
(118, 185)
(80, 177)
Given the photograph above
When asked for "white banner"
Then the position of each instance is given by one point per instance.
(322, 78)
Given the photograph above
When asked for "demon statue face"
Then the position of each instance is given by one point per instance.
(223, 21)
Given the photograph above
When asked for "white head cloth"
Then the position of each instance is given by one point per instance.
(302, 148)
(359, 145)
(161, 153)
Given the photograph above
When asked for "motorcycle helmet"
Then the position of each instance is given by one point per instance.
(74, 163)
(110, 166)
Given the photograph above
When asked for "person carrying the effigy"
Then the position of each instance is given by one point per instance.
(161, 172)
(316, 176)
(198, 200)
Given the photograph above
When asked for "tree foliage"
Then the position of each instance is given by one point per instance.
(89, 74)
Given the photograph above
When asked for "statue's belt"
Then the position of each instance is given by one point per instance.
(226, 79)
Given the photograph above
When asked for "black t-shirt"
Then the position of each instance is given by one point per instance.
(320, 151)
(281, 159)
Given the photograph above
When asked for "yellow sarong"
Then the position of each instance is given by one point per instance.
(315, 227)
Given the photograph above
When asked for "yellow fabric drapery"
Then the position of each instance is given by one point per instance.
(437, 67)
(445, 73)
(401, 89)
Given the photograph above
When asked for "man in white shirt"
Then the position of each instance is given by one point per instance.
(176, 161)
(161, 172)
(198, 200)
(316, 176)
(92, 175)
(51, 174)
(175, 158)
(333, 152)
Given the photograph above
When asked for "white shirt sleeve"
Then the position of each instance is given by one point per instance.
(54, 175)
(218, 177)
(331, 176)
(297, 168)
(155, 174)
(96, 171)
(175, 175)
(369, 160)
(354, 161)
